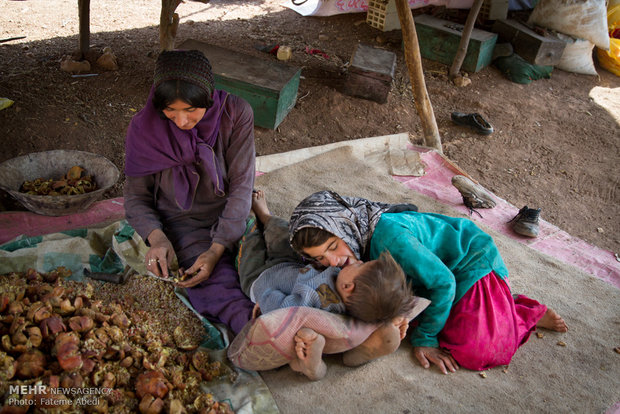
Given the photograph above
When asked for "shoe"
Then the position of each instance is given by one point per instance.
(526, 222)
(474, 195)
(475, 120)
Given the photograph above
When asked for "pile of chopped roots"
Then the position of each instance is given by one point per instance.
(98, 347)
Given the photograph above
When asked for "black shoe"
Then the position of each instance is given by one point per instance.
(526, 222)
(476, 121)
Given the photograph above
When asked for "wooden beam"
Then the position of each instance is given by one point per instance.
(465, 36)
(416, 76)
(84, 18)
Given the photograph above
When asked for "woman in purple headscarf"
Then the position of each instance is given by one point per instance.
(189, 163)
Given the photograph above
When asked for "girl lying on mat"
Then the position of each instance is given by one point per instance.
(473, 319)
(274, 276)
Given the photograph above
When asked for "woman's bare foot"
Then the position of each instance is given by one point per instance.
(553, 321)
(259, 206)
(309, 348)
(383, 341)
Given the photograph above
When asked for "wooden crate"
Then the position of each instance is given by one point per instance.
(439, 41)
(371, 73)
(269, 86)
(538, 49)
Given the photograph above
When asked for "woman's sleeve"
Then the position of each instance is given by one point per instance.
(240, 160)
(434, 280)
(139, 209)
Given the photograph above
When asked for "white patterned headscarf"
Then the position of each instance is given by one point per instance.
(352, 219)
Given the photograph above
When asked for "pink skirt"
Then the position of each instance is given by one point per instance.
(487, 325)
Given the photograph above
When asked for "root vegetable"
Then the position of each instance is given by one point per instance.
(52, 326)
(151, 405)
(81, 323)
(153, 383)
(67, 350)
(30, 364)
(8, 366)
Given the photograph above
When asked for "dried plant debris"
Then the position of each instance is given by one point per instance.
(76, 347)
(74, 182)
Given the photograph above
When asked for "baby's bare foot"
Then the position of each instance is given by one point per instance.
(553, 321)
(309, 348)
(259, 206)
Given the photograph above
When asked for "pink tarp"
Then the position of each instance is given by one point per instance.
(436, 183)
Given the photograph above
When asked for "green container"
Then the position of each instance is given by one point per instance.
(270, 87)
(439, 41)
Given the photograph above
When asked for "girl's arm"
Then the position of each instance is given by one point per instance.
(429, 276)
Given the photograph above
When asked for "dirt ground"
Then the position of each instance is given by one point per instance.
(555, 144)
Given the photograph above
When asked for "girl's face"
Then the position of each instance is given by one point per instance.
(183, 114)
(334, 252)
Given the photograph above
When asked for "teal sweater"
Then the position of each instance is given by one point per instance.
(442, 257)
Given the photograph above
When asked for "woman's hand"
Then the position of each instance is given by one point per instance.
(160, 255)
(203, 266)
(437, 356)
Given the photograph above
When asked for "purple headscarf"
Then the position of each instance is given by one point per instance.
(154, 144)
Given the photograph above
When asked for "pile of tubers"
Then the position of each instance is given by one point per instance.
(72, 183)
(62, 338)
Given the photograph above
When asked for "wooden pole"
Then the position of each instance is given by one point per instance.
(416, 76)
(465, 36)
(84, 18)
(168, 24)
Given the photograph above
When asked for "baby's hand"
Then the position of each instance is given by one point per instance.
(256, 311)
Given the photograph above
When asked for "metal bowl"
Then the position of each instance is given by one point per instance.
(55, 164)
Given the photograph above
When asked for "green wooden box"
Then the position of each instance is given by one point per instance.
(439, 40)
(270, 87)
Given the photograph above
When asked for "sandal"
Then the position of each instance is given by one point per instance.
(474, 120)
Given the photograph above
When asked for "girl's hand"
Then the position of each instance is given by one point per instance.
(160, 255)
(204, 265)
(437, 356)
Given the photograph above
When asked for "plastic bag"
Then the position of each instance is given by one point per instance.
(515, 68)
(610, 60)
(577, 56)
(582, 19)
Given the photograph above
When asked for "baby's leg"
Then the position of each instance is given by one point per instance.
(309, 348)
(553, 321)
(275, 232)
(259, 206)
(382, 341)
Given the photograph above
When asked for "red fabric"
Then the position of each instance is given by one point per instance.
(487, 326)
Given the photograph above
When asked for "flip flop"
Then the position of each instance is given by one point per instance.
(475, 120)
